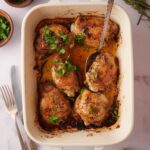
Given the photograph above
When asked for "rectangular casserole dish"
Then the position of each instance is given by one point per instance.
(29, 95)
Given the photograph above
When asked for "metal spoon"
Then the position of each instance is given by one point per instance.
(92, 57)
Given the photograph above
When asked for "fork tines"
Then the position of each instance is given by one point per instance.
(7, 96)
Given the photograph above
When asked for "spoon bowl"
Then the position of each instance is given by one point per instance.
(90, 60)
(92, 57)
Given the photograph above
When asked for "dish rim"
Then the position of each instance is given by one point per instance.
(23, 86)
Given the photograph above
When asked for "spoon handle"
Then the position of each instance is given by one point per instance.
(106, 22)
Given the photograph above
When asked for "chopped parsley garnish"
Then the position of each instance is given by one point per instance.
(53, 120)
(115, 110)
(4, 28)
(114, 114)
(65, 39)
(61, 71)
(66, 66)
(79, 38)
(50, 38)
(62, 51)
(53, 46)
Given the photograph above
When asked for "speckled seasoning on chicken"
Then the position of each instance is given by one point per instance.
(64, 76)
(54, 106)
(102, 73)
(92, 107)
(68, 98)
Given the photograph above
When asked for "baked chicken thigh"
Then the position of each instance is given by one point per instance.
(92, 107)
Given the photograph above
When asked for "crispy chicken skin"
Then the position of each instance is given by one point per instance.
(54, 103)
(102, 73)
(57, 30)
(68, 83)
(91, 27)
(93, 108)
(71, 98)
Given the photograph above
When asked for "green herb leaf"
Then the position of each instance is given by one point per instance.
(79, 38)
(49, 37)
(53, 46)
(115, 110)
(69, 66)
(65, 39)
(4, 28)
(51, 40)
(46, 30)
(66, 66)
(60, 72)
(53, 120)
(62, 51)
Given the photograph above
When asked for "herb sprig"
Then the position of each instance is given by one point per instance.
(66, 66)
(141, 6)
(65, 39)
(4, 28)
(53, 120)
(79, 38)
(115, 110)
(114, 114)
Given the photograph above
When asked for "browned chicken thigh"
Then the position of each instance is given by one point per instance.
(91, 27)
(54, 106)
(52, 38)
(92, 107)
(70, 98)
(65, 77)
(102, 73)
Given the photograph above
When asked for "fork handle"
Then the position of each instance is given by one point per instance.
(25, 142)
(19, 134)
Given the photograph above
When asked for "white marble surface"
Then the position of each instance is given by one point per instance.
(140, 136)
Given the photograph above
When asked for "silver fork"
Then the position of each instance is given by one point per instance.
(12, 109)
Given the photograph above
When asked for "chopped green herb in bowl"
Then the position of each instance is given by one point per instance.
(17, 1)
(4, 28)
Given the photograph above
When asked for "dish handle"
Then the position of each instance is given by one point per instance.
(54, 1)
(98, 0)
(57, 148)
(58, 1)
(61, 148)
(99, 148)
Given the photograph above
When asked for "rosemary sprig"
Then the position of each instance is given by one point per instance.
(141, 6)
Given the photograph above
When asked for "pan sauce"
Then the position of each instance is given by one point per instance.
(78, 55)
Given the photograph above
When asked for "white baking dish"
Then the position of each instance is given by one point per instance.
(52, 10)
